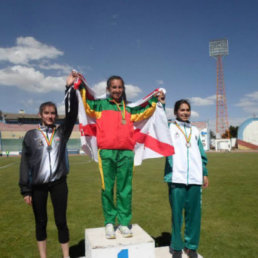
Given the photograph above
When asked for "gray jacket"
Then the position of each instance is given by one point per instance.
(41, 165)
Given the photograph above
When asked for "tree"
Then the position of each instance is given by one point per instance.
(233, 131)
(212, 135)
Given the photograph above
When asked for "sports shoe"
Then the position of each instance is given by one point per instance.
(125, 231)
(191, 253)
(177, 254)
(109, 231)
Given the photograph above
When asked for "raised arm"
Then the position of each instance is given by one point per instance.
(71, 112)
(140, 113)
(91, 106)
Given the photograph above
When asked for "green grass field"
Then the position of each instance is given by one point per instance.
(229, 219)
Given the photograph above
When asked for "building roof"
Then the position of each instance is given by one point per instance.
(13, 116)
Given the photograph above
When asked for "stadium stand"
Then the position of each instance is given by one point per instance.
(14, 126)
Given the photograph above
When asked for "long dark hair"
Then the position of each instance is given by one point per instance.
(116, 77)
(179, 103)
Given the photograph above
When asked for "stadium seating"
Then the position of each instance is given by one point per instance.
(12, 135)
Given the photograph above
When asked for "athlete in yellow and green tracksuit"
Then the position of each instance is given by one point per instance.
(115, 140)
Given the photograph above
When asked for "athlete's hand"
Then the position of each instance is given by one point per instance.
(28, 199)
(162, 97)
(72, 77)
(205, 182)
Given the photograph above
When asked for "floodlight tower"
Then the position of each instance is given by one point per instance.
(218, 49)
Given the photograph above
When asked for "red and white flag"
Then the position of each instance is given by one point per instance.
(152, 136)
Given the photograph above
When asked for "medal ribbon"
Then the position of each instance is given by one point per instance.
(122, 111)
(187, 138)
(49, 142)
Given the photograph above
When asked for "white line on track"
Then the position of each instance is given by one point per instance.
(8, 165)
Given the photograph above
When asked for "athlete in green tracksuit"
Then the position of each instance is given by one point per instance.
(185, 173)
(115, 141)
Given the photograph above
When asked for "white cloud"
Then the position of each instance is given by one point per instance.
(253, 96)
(170, 113)
(236, 121)
(28, 49)
(194, 114)
(232, 121)
(114, 19)
(198, 101)
(160, 82)
(132, 91)
(27, 75)
(61, 108)
(249, 103)
(29, 79)
(114, 16)
(48, 66)
(29, 103)
(100, 88)
(138, 43)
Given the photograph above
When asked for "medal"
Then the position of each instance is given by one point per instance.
(122, 111)
(49, 142)
(188, 144)
(187, 138)
(49, 148)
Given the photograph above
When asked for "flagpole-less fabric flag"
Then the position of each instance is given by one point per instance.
(152, 135)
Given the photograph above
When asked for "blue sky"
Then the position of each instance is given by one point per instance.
(149, 43)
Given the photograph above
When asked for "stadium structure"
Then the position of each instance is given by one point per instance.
(218, 49)
(14, 126)
(247, 135)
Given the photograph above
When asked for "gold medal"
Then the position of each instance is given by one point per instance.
(122, 111)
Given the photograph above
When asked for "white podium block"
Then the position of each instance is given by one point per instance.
(141, 245)
(163, 252)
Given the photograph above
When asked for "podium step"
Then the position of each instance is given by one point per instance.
(141, 245)
(163, 252)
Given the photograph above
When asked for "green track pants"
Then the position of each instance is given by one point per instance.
(185, 198)
(116, 165)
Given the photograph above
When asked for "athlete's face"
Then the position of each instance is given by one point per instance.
(116, 89)
(48, 116)
(183, 113)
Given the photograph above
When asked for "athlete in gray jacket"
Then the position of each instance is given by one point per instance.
(44, 166)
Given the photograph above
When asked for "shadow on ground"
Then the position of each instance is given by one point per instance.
(78, 250)
(163, 240)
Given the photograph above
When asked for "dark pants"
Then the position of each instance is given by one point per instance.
(58, 193)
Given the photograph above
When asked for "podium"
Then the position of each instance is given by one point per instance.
(141, 245)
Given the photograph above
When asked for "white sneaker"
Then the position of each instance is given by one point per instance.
(109, 231)
(125, 231)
